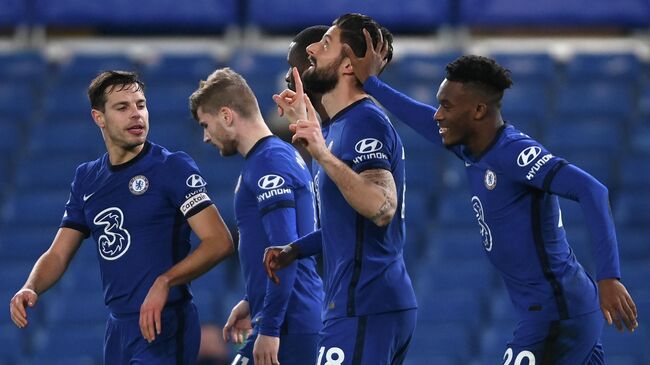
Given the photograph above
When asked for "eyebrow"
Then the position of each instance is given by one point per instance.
(327, 36)
(143, 100)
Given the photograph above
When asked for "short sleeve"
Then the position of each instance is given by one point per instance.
(274, 181)
(368, 143)
(187, 186)
(73, 216)
(527, 161)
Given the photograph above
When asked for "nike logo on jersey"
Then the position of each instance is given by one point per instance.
(86, 197)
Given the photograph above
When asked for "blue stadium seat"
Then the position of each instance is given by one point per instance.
(22, 66)
(14, 13)
(68, 100)
(175, 136)
(34, 208)
(441, 341)
(640, 139)
(459, 244)
(446, 276)
(62, 342)
(221, 173)
(528, 67)
(14, 274)
(631, 208)
(78, 136)
(13, 342)
(633, 171)
(626, 344)
(605, 99)
(169, 99)
(118, 14)
(568, 133)
(635, 275)
(508, 13)
(461, 306)
(423, 174)
(81, 68)
(644, 99)
(607, 67)
(633, 245)
(83, 276)
(264, 72)
(456, 210)
(45, 171)
(43, 359)
(77, 308)
(12, 136)
(179, 67)
(493, 342)
(17, 100)
(527, 98)
(20, 243)
(287, 15)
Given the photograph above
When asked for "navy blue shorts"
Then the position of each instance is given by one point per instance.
(574, 341)
(177, 344)
(376, 339)
(295, 349)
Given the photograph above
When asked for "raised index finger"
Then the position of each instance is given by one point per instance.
(311, 112)
(297, 81)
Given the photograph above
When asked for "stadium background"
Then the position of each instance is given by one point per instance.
(582, 87)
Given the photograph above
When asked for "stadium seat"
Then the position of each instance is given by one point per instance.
(13, 343)
(606, 67)
(77, 308)
(633, 245)
(17, 100)
(47, 171)
(633, 171)
(604, 99)
(62, 342)
(527, 98)
(200, 15)
(506, 13)
(81, 68)
(22, 244)
(168, 67)
(626, 344)
(35, 208)
(68, 101)
(456, 210)
(632, 208)
(441, 341)
(22, 66)
(12, 136)
(459, 245)
(67, 136)
(494, 342)
(528, 67)
(287, 15)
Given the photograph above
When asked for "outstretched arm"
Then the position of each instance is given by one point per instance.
(575, 184)
(416, 115)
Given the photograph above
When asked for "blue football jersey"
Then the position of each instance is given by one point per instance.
(521, 227)
(364, 264)
(519, 219)
(137, 213)
(274, 205)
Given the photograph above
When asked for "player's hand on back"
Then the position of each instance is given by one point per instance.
(291, 104)
(277, 258)
(151, 309)
(18, 306)
(238, 327)
(372, 62)
(617, 304)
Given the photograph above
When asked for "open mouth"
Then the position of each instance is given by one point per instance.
(136, 130)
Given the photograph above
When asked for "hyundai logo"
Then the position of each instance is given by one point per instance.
(528, 155)
(368, 145)
(195, 181)
(269, 182)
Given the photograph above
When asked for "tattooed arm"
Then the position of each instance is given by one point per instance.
(372, 193)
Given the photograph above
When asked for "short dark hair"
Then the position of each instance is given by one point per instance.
(106, 82)
(224, 87)
(352, 26)
(308, 36)
(481, 72)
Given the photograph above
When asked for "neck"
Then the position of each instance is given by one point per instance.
(118, 155)
(484, 138)
(343, 95)
(251, 131)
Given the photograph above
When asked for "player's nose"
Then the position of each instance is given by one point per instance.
(206, 136)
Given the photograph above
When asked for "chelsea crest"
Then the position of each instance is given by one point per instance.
(490, 180)
(138, 185)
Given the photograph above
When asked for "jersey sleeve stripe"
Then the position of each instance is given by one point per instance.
(278, 205)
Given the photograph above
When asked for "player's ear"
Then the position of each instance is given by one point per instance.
(480, 111)
(228, 115)
(98, 117)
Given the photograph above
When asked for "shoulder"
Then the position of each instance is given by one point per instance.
(278, 158)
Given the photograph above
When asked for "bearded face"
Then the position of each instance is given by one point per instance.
(322, 79)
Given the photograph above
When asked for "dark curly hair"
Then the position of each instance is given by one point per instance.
(481, 72)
